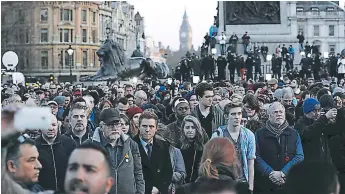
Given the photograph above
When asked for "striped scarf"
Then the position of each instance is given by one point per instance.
(276, 129)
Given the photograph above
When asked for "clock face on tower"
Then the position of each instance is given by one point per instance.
(183, 35)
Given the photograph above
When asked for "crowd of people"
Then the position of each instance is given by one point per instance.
(279, 136)
(249, 66)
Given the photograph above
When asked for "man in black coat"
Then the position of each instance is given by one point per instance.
(314, 129)
(54, 150)
(221, 63)
(155, 157)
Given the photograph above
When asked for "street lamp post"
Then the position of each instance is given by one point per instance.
(70, 53)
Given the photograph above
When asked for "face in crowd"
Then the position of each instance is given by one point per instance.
(147, 129)
(25, 168)
(120, 93)
(87, 174)
(193, 101)
(140, 98)
(276, 113)
(207, 98)
(182, 110)
(287, 99)
(78, 120)
(52, 132)
(129, 90)
(136, 119)
(189, 130)
(124, 126)
(235, 116)
(112, 130)
(216, 99)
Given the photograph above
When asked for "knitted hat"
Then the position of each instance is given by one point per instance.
(310, 104)
(132, 111)
(59, 100)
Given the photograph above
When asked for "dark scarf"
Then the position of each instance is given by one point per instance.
(276, 129)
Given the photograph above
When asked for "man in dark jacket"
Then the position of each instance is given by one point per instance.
(221, 64)
(54, 150)
(278, 148)
(313, 128)
(155, 156)
(249, 67)
(78, 124)
(22, 164)
(300, 38)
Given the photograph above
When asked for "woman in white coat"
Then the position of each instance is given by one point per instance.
(341, 67)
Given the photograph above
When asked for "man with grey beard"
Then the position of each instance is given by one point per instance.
(78, 124)
(124, 154)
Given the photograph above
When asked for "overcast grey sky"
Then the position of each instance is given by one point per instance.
(163, 19)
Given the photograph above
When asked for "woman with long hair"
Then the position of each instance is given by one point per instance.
(133, 115)
(217, 164)
(193, 140)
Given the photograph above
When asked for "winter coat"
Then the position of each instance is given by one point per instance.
(128, 173)
(158, 171)
(341, 65)
(192, 160)
(54, 160)
(178, 167)
(314, 136)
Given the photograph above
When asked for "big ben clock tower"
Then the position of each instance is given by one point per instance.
(185, 34)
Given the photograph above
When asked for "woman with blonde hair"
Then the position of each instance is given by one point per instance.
(217, 164)
(193, 139)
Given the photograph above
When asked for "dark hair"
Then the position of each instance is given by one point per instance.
(305, 177)
(252, 102)
(66, 94)
(123, 100)
(129, 96)
(95, 96)
(201, 88)
(76, 100)
(148, 115)
(314, 91)
(304, 94)
(97, 147)
(321, 93)
(13, 150)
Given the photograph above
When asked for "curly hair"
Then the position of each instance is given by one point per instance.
(200, 139)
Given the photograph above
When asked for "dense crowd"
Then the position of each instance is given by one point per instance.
(279, 136)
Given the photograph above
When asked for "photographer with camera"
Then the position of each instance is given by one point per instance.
(314, 128)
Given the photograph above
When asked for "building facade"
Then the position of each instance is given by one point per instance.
(105, 18)
(127, 27)
(185, 34)
(321, 22)
(40, 32)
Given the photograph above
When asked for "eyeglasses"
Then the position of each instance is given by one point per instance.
(114, 124)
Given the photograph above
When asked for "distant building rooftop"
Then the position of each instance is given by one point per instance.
(321, 5)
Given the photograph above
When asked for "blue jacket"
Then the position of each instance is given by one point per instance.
(291, 50)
